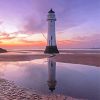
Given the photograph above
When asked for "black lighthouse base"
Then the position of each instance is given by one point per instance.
(51, 49)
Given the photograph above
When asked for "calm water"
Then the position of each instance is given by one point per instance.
(46, 75)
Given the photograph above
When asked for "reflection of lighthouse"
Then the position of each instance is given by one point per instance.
(51, 74)
(51, 41)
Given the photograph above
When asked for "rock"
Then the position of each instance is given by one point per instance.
(2, 50)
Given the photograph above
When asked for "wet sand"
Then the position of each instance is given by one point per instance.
(22, 57)
(76, 58)
(85, 59)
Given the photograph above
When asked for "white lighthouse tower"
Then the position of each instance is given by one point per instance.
(51, 40)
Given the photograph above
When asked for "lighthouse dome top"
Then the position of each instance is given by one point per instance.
(51, 11)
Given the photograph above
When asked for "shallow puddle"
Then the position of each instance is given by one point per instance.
(46, 75)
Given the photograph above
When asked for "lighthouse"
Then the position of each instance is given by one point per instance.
(51, 38)
(51, 74)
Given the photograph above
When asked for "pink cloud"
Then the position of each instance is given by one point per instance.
(92, 41)
(5, 36)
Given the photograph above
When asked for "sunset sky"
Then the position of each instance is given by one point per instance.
(23, 21)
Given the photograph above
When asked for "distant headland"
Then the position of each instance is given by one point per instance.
(2, 50)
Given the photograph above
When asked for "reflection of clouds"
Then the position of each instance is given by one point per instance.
(81, 80)
(72, 79)
(29, 74)
(7, 67)
(2, 68)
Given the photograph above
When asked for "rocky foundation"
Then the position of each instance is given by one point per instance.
(51, 49)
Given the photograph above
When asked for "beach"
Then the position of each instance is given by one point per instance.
(85, 57)
(10, 91)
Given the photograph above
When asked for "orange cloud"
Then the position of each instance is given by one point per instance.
(23, 44)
